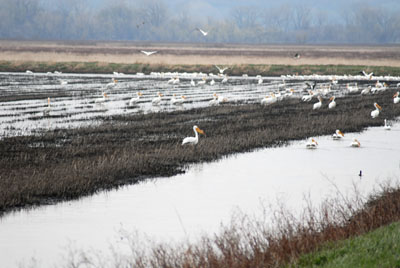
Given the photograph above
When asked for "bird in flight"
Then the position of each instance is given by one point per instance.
(221, 70)
(204, 33)
(148, 53)
(296, 56)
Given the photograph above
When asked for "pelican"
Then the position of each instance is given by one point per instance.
(369, 76)
(375, 113)
(47, 111)
(214, 101)
(113, 83)
(332, 104)
(225, 79)
(312, 144)
(396, 98)
(338, 135)
(177, 101)
(148, 53)
(355, 143)
(135, 100)
(202, 81)
(352, 89)
(192, 83)
(193, 140)
(269, 99)
(222, 99)
(102, 99)
(212, 82)
(260, 81)
(386, 126)
(176, 81)
(308, 97)
(221, 70)
(318, 105)
(365, 91)
(63, 82)
(157, 100)
(28, 72)
(204, 33)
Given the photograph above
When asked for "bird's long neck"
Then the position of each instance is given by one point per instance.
(196, 135)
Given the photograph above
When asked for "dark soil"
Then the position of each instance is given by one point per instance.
(67, 164)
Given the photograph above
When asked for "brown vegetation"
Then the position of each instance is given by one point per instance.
(65, 164)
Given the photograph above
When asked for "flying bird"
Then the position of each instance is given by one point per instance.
(148, 53)
(204, 33)
(296, 56)
(369, 76)
(221, 70)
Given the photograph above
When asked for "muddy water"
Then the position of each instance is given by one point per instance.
(187, 205)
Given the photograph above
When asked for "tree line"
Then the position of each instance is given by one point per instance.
(153, 20)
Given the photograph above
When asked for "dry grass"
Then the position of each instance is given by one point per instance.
(66, 164)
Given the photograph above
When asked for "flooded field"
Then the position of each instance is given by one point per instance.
(197, 202)
(77, 100)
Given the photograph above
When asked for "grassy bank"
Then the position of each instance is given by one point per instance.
(66, 164)
(250, 69)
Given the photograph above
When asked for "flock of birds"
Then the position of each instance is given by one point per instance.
(313, 91)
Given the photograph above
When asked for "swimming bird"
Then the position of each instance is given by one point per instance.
(386, 126)
(260, 81)
(214, 101)
(312, 144)
(193, 140)
(365, 91)
(318, 105)
(202, 81)
(112, 84)
(101, 99)
(396, 98)
(269, 99)
(338, 135)
(148, 53)
(225, 79)
(352, 89)
(204, 33)
(332, 104)
(212, 82)
(135, 100)
(355, 143)
(157, 100)
(47, 110)
(63, 82)
(192, 83)
(28, 72)
(375, 113)
(177, 101)
(308, 97)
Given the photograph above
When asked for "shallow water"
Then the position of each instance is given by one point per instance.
(187, 205)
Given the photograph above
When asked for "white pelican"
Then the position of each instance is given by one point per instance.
(369, 76)
(396, 98)
(225, 79)
(212, 82)
(47, 111)
(269, 99)
(355, 143)
(332, 104)
(193, 140)
(318, 105)
(375, 113)
(352, 89)
(192, 83)
(338, 135)
(113, 83)
(102, 99)
(63, 82)
(311, 144)
(204, 33)
(308, 97)
(157, 100)
(386, 126)
(221, 70)
(214, 101)
(202, 81)
(28, 72)
(177, 101)
(135, 100)
(260, 81)
(222, 99)
(365, 91)
(176, 81)
(148, 53)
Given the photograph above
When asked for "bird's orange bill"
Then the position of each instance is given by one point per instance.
(105, 95)
(160, 94)
(331, 99)
(183, 97)
(200, 131)
(140, 94)
(341, 133)
(48, 100)
(378, 106)
(396, 95)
